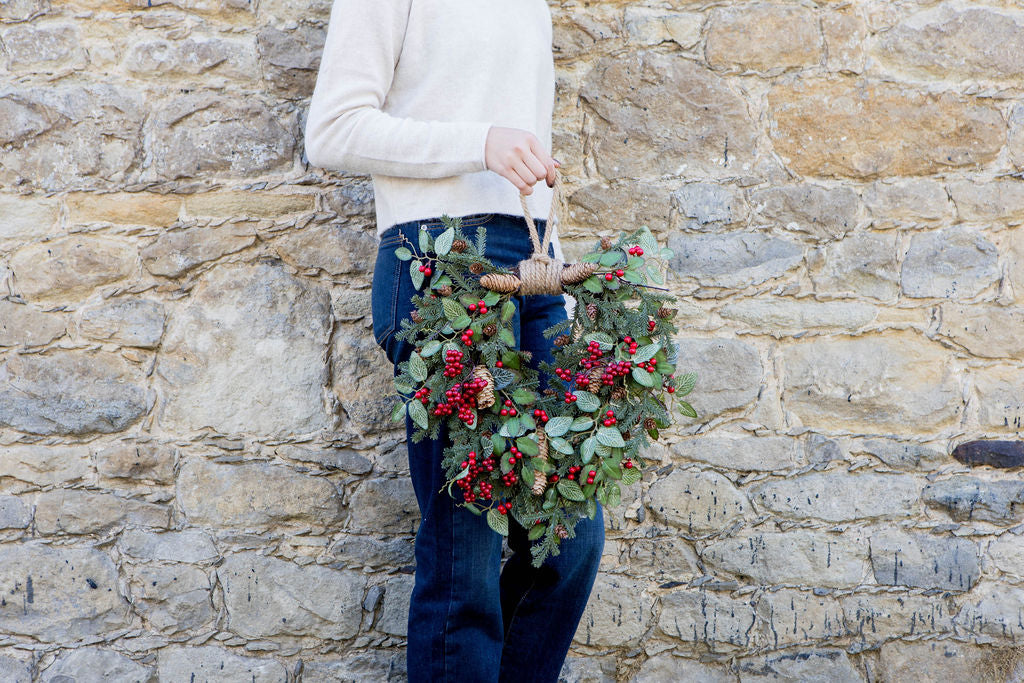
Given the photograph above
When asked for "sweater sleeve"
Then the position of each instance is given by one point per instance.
(346, 129)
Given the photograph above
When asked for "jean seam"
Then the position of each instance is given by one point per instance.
(512, 619)
(451, 595)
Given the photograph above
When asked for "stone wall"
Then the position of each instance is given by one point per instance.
(196, 473)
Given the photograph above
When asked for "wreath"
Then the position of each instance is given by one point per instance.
(545, 457)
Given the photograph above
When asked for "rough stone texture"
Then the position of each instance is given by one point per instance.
(247, 354)
(193, 411)
(836, 496)
(895, 383)
(224, 495)
(951, 264)
(794, 557)
(888, 130)
(924, 560)
(995, 453)
(266, 597)
(697, 502)
(71, 392)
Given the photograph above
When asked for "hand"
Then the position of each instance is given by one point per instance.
(519, 156)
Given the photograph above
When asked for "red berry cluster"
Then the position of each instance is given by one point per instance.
(595, 353)
(510, 477)
(462, 397)
(563, 374)
(670, 388)
(504, 508)
(609, 419)
(453, 366)
(479, 307)
(425, 269)
(651, 325)
(509, 409)
(570, 397)
(590, 476)
(627, 463)
(541, 415)
(632, 344)
(467, 336)
(649, 366)
(573, 471)
(636, 251)
(423, 395)
(615, 369)
(475, 470)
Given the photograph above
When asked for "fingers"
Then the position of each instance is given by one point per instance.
(525, 177)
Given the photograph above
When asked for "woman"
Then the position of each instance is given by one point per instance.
(448, 105)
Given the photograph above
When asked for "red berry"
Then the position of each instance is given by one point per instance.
(608, 276)
(499, 364)
(472, 307)
(427, 271)
(620, 272)
(422, 268)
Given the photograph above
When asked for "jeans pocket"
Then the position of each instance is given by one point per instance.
(387, 274)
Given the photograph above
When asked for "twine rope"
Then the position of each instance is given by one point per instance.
(541, 274)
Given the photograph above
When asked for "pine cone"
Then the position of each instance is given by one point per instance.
(619, 393)
(549, 392)
(416, 317)
(490, 329)
(445, 290)
(560, 530)
(595, 378)
(476, 268)
(487, 433)
(540, 480)
(626, 435)
(666, 313)
(506, 283)
(592, 311)
(575, 273)
(563, 340)
(650, 424)
(485, 399)
(459, 246)
(606, 243)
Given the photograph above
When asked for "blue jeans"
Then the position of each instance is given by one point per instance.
(470, 620)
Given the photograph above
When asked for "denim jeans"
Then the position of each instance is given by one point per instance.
(470, 620)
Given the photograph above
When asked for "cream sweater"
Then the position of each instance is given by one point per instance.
(408, 89)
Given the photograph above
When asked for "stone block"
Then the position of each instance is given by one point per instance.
(708, 206)
(664, 557)
(1000, 200)
(14, 514)
(137, 460)
(26, 325)
(825, 213)
(837, 496)
(845, 33)
(888, 130)
(924, 560)
(651, 26)
(984, 330)
(733, 260)
(173, 599)
(729, 374)
(619, 612)
(187, 545)
(126, 322)
(290, 58)
(669, 668)
(903, 455)
(334, 248)
(994, 610)
(212, 664)
(267, 597)
(896, 202)
(122, 208)
(793, 617)
(946, 660)
(70, 267)
(41, 465)
(75, 511)
(378, 665)
(970, 499)
(768, 38)
(94, 665)
(72, 392)
(394, 615)
(782, 317)
(27, 218)
(799, 557)
(994, 453)
(624, 202)
(175, 252)
(893, 382)
(860, 265)
(742, 453)
(718, 622)
(697, 502)
(224, 495)
(247, 354)
(811, 666)
(681, 117)
(954, 263)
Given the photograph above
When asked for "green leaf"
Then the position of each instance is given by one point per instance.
(635, 277)
(570, 490)
(539, 464)
(527, 446)
(632, 475)
(506, 336)
(589, 489)
(439, 282)
(443, 243)
(526, 420)
(610, 258)
(430, 348)
(685, 384)
(591, 507)
(452, 309)
(524, 396)
(581, 423)
(686, 409)
(642, 377)
(561, 445)
(497, 443)
(508, 309)
(474, 509)
(605, 341)
(593, 257)
(425, 241)
(557, 426)
(609, 436)
(654, 272)
(587, 449)
(667, 253)
(462, 322)
(593, 284)
(417, 368)
(416, 274)
(491, 298)
(648, 242)
(612, 284)
(586, 401)
(511, 427)
(614, 495)
(497, 521)
(510, 359)
(403, 253)
(536, 531)
(418, 414)
(398, 412)
(401, 387)
(603, 450)
(645, 353)
(611, 469)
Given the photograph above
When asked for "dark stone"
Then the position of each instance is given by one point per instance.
(994, 453)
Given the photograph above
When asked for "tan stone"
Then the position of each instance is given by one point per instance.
(124, 208)
(70, 267)
(75, 511)
(579, 30)
(176, 252)
(679, 118)
(26, 218)
(22, 324)
(998, 200)
(697, 502)
(618, 613)
(893, 382)
(619, 204)
(1000, 397)
(648, 26)
(763, 37)
(253, 204)
(984, 330)
(906, 202)
(780, 317)
(144, 461)
(864, 129)
(44, 465)
(844, 32)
